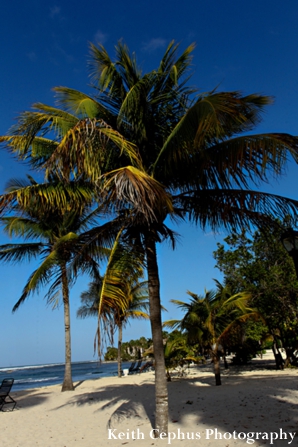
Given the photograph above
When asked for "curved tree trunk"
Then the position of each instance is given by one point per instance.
(67, 382)
(161, 390)
(119, 349)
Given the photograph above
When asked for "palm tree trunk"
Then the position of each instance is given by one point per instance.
(67, 382)
(119, 348)
(225, 360)
(161, 390)
(278, 357)
(216, 365)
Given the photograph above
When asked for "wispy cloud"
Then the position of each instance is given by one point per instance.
(58, 54)
(154, 44)
(32, 56)
(66, 56)
(54, 11)
(100, 37)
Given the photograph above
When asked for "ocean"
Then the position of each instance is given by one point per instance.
(36, 376)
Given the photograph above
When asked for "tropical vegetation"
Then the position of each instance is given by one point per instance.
(208, 319)
(156, 150)
(130, 350)
(260, 265)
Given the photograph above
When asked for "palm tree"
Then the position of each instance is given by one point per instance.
(119, 295)
(177, 352)
(137, 304)
(208, 319)
(53, 237)
(155, 149)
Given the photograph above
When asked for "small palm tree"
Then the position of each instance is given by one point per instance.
(209, 318)
(119, 295)
(177, 351)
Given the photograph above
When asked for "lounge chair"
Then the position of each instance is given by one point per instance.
(148, 366)
(5, 398)
(131, 367)
(136, 368)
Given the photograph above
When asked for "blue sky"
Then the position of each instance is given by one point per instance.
(248, 46)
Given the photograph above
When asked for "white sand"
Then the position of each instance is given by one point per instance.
(256, 399)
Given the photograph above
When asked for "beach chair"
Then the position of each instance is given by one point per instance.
(5, 398)
(148, 366)
(131, 367)
(136, 368)
(115, 373)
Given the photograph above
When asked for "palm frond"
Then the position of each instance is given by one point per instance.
(232, 208)
(45, 119)
(133, 107)
(214, 118)
(38, 279)
(173, 324)
(85, 149)
(130, 73)
(16, 253)
(170, 85)
(111, 294)
(104, 72)
(245, 160)
(146, 196)
(80, 104)
(252, 314)
(37, 150)
(47, 196)
(22, 227)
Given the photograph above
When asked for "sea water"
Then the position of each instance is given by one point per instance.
(36, 376)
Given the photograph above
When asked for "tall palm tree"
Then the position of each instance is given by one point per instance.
(53, 237)
(155, 149)
(208, 319)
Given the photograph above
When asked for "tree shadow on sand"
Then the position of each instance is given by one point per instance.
(254, 403)
(123, 401)
(30, 398)
(243, 404)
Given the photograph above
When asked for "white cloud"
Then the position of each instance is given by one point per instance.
(154, 44)
(100, 37)
(54, 11)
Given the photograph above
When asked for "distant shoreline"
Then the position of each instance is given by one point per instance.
(40, 365)
(37, 376)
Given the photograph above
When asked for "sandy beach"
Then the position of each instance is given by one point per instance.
(115, 412)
